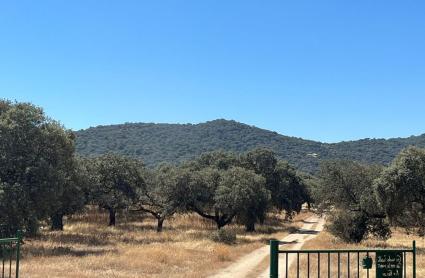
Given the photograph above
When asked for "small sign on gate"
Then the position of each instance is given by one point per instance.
(389, 264)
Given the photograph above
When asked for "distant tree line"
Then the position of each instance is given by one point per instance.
(42, 180)
(175, 143)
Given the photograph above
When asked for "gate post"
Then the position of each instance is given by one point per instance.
(274, 259)
(414, 259)
(18, 251)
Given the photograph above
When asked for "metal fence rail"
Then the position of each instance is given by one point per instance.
(336, 263)
(10, 255)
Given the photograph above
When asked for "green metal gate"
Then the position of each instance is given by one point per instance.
(10, 255)
(379, 263)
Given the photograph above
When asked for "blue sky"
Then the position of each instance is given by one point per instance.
(322, 70)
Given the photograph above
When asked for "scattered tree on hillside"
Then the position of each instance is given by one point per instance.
(200, 192)
(35, 154)
(242, 193)
(75, 193)
(117, 182)
(401, 190)
(222, 195)
(163, 194)
(346, 192)
(288, 192)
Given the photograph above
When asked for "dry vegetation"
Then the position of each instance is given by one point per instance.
(399, 240)
(88, 248)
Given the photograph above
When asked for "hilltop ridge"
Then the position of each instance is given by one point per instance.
(156, 143)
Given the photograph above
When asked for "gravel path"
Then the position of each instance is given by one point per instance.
(250, 262)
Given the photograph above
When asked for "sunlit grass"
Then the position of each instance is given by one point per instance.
(88, 248)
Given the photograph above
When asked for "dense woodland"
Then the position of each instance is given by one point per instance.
(174, 143)
(43, 180)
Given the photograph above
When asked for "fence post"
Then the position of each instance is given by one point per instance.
(18, 245)
(414, 259)
(274, 259)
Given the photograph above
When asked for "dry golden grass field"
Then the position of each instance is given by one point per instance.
(325, 240)
(87, 248)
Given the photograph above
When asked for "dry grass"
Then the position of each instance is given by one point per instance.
(88, 248)
(399, 240)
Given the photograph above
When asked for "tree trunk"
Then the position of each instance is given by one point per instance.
(160, 223)
(32, 226)
(219, 225)
(250, 226)
(112, 216)
(57, 222)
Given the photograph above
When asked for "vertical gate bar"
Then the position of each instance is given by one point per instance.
(298, 265)
(318, 265)
(329, 265)
(414, 259)
(18, 252)
(404, 263)
(358, 264)
(339, 257)
(367, 271)
(308, 265)
(348, 264)
(274, 259)
(3, 256)
(10, 259)
(286, 258)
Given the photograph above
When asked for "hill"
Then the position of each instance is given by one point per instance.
(156, 143)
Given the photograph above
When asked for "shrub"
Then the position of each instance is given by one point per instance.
(226, 236)
(350, 227)
(354, 227)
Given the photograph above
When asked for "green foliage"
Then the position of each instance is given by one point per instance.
(346, 192)
(75, 194)
(174, 143)
(36, 166)
(347, 185)
(401, 189)
(218, 177)
(227, 236)
(164, 192)
(117, 181)
(288, 192)
(242, 193)
(350, 227)
(356, 226)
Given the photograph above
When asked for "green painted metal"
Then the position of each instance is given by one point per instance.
(392, 259)
(274, 258)
(414, 259)
(367, 262)
(389, 264)
(10, 251)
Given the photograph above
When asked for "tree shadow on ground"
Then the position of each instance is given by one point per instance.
(57, 251)
(74, 238)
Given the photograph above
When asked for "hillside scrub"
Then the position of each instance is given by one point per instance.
(176, 143)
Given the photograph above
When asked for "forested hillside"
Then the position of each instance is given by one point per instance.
(156, 143)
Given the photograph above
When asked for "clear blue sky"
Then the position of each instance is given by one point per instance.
(322, 70)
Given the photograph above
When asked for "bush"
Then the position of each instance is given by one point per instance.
(226, 236)
(354, 227)
(379, 228)
(350, 227)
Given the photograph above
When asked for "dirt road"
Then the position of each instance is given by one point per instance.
(249, 263)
